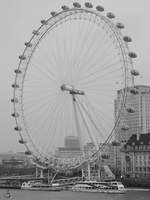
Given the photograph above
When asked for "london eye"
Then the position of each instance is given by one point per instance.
(66, 83)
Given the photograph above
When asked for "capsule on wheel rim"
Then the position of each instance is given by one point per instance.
(133, 91)
(15, 85)
(21, 141)
(127, 39)
(17, 71)
(43, 22)
(110, 15)
(130, 110)
(28, 152)
(14, 100)
(124, 128)
(22, 57)
(76, 5)
(132, 55)
(120, 25)
(15, 114)
(100, 8)
(35, 32)
(18, 128)
(53, 13)
(28, 44)
(135, 72)
(88, 5)
(64, 7)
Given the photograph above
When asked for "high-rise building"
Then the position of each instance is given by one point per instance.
(71, 148)
(138, 120)
(72, 142)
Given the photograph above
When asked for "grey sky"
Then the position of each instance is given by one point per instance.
(19, 17)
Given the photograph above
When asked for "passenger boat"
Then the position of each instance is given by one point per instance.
(100, 187)
(34, 185)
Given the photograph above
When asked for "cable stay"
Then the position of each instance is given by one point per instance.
(86, 125)
(77, 121)
(90, 118)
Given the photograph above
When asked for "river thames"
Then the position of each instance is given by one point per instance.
(66, 195)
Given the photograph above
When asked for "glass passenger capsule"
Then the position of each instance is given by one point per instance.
(15, 85)
(21, 141)
(17, 71)
(76, 5)
(53, 13)
(100, 8)
(132, 55)
(28, 152)
(135, 72)
(28, 44)
(127, 39)
(124, 128)
(35, 32)
(15, 114)
(22, 57)
(65, 7)
(130, 110)
(120, 25)
(133, 91)
(43, 21)
(14, 100)
(18, 128)
(110, 15)
(88, 5)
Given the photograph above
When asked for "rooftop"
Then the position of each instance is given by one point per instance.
(142, 87)
(144, 139)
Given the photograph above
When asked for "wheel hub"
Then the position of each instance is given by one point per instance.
(71, 89)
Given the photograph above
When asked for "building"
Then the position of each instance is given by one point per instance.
(136, 157)
(68, 153)
(72, 142)
(112, 157)
(71, 148)
(137, 121)
(89, 149)
(14, 160)
(107, 164)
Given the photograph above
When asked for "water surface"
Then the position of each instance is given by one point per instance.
(66, 195)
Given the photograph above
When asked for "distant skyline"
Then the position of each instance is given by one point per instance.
(19, 17)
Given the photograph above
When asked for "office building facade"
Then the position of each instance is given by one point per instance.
(138, 121)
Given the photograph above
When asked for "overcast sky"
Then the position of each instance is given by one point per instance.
(19, 17)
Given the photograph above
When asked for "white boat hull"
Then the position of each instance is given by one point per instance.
(100, 191)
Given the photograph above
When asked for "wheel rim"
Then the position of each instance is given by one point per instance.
(93, 59)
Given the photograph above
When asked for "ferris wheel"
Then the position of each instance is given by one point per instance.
(66, 83)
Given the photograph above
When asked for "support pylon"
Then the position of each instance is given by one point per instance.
(41, 173)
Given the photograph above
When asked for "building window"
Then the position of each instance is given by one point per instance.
(144, 169)
(136, 147)
(136, 168)
(140, 147)
(144, 147)
(141, 142)
(140, 169)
